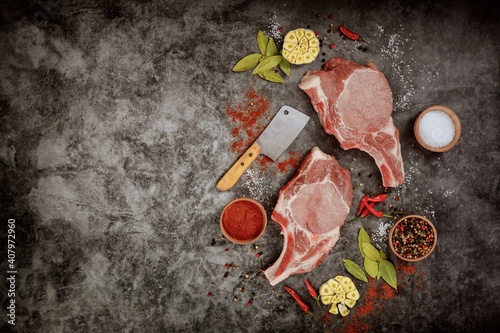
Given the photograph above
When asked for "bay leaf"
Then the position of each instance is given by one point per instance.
(355, 270)
(371, 252)
(271, 48)
(382, 254)
(247, 63)
(262, 42)
(363, 238)
(267, 63)
(285, 66)
(371, 267)
(388, 272)
(272, 76)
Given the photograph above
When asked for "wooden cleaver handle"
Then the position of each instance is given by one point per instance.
(232, 176)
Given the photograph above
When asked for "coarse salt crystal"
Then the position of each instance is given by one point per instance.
(436, 128)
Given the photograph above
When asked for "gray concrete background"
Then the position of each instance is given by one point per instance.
(114, 132)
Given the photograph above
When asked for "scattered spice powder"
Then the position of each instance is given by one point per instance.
(250, 117)
(363, 315)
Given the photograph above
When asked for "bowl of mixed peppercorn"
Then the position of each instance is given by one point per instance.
(412, 238)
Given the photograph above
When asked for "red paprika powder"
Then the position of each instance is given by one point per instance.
(243, 220)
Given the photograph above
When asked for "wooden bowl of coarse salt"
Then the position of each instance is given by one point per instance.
(437, 128)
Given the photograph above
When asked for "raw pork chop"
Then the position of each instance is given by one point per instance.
(311, 209)
(354, 103)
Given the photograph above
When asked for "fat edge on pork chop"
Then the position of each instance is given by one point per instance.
(354, 103)
(311, 209)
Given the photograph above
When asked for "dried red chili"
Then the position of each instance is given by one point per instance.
(365, 212)
(362, 204)
(352, 35)
(299, 301)
(379, 198)
(376, 212)
(312, 292)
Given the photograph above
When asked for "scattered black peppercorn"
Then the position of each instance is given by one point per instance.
(365, 49)
(323, 54)
(322, 60)
(329, 30)
(309, 26)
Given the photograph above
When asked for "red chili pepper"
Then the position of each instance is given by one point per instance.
(362, 204)
(376, 212)
(365, 212)
(352, 35)
(312, 292)
(302, 305)
(379, 198)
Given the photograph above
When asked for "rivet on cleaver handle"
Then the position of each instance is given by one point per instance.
(278, 135)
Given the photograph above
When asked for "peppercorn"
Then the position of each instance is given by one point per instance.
(308, 26)
(226, 275)
(209, 294)
(318, 15)
(281, 28)
(329, 30)
(330, 16)
(331, 25)
(226, 250)
(332, 46)
(250, 301)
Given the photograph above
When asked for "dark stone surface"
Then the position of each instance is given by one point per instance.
(114, 132)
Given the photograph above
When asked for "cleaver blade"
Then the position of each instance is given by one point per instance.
(273, 141)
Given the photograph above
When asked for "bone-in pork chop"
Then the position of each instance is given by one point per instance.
(354, 103)
(311, 208)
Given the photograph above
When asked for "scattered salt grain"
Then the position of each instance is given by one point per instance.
(274, 28)
(436, 129)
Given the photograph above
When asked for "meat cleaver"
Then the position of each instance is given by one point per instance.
(278, 135)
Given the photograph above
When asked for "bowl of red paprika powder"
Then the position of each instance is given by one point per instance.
(412, 238)
(243, 220)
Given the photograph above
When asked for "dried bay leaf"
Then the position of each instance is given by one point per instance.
(267, 63)
(382, 254)
(371, 267)
(271, 48)
(262, 41)
(285, 66)
(371, 252)
(363, 238)
(388, 272)
(272, 76)
(355, 270)
(247, 63)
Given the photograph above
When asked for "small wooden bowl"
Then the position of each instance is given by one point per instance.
(392, 232)
(454, 118)
(246, 241)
